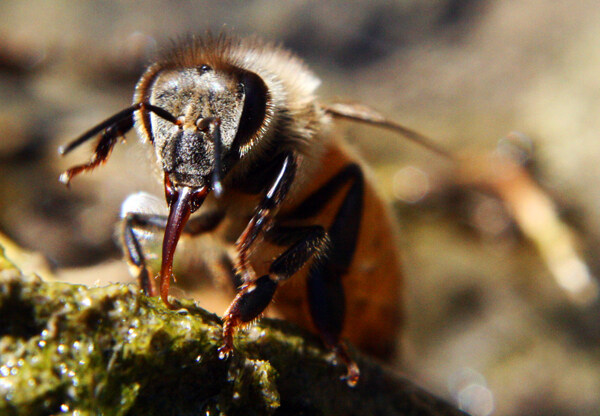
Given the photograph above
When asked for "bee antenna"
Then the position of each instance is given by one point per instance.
(215, 134)
(123, 121)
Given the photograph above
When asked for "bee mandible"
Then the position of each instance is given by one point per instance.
(240, 137)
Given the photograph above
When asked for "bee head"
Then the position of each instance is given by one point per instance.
(217, 110)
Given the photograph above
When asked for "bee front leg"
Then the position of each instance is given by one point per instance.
(255, 296)
(263, 215)
(155, 223)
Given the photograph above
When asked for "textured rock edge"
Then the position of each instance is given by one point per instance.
(110, 350)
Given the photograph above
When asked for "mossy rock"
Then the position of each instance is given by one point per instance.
(110, 350)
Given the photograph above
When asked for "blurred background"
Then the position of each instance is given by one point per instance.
(502, 314)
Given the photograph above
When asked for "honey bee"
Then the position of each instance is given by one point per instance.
(242, 141)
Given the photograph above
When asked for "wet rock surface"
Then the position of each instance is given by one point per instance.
(68, 348)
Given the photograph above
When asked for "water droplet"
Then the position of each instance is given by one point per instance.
(5, 388)
(411, 184)
(62, 368)
(477, 400)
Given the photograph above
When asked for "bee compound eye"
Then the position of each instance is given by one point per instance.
(255, 93)
(241, 91)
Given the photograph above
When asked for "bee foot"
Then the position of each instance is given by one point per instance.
(352, 376)
(224, 352)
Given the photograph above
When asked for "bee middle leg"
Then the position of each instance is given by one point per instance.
(133, 221)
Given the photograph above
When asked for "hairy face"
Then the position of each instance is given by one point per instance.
(191, 95)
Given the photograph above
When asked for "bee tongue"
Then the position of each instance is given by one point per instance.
(185, 201)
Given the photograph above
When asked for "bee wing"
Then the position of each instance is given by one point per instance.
(364, 114)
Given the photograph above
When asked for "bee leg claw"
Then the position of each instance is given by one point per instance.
(352, 371)
(352, 375)
(226, 349)
(224, 352)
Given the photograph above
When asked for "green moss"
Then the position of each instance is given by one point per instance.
(72, 349)
(98, 349)
(111, 350)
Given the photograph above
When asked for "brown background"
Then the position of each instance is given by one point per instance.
(487, 325)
